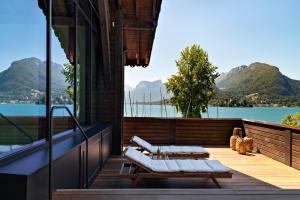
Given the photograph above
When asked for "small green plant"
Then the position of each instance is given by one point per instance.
(292, 120)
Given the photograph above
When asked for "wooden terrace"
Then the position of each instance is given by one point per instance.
(273, 173)
(251, 172)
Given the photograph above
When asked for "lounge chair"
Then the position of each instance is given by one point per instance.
(142, 166)
(171, 150)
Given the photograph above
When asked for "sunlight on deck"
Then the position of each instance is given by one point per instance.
(250, 172)
(258, 167)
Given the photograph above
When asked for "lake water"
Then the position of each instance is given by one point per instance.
(29, 110)
(257, 113)
(268, 114)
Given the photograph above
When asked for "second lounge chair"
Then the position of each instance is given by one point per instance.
(171, 150)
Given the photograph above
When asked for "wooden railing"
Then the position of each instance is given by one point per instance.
(281, 143)
(278, 142)
(180, 131)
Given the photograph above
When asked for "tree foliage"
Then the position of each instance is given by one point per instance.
(193, 85)
(292, 120)
(68, 71)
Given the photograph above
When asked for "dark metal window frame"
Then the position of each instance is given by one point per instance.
(89, 19)
(48, 93)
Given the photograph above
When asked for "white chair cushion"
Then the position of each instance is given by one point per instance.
(142, 143)
(217, 166)
(187, 165)
(193, 166)
(138, 157)
(165, 166)
(178, 149)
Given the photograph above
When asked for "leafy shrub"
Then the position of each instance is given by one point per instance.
(292, 120)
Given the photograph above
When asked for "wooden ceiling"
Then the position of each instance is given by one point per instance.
(139, 25)
(140, 19)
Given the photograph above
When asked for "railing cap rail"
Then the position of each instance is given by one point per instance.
(282, 126)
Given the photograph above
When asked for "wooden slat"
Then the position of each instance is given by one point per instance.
(295, 151)
(178, 194)
(251, 172)
(180, 131)
(273, 141)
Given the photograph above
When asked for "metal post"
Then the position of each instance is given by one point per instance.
(48, 91)
(75, 63)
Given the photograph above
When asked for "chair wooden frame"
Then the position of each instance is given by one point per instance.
(136, 175)
(193, 155)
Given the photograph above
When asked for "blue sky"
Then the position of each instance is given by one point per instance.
(23, 33)
(233, 32)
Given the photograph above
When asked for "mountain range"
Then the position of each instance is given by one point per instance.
(255, 80)
(263, 79)
(26, 80)
(144, 88)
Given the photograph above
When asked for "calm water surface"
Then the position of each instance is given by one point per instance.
(257, 113)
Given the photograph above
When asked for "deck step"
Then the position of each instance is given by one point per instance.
(174, 194)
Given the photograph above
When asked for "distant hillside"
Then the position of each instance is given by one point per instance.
(144, 88)
(259, 78)
(26, 80)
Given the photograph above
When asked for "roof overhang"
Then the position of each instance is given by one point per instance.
(140, 18)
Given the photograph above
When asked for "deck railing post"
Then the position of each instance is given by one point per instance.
(288, 147)
(172, 130)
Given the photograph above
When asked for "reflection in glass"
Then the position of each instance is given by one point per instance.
(62, 79)
(22, 72)
(83, 60)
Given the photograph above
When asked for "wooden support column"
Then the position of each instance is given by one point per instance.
(172, 131)
(119, 83)
(288, 147)
(105, 24)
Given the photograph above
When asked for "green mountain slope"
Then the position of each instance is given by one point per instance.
(264, 79)
(26, 80)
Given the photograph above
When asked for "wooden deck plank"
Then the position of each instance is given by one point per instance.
(251, 172)
(171, 194)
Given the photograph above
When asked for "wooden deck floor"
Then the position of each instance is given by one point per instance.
(251, 172)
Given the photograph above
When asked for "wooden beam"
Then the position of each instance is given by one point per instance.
(137, 24)
(118, 82)
(153, 9)
(103, 6)
(137, 8)
(138, 47)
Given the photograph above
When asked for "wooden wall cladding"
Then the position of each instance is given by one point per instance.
(204, 131)
(271, 141)
(180, 131)
(296, 149)
(154, 130)
(279, 142)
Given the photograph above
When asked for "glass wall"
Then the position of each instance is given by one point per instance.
(83, 65)
(63, 62)
(75, 42)
(22, 72)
